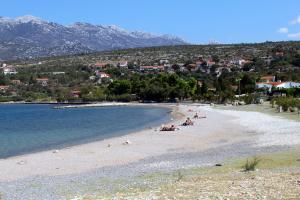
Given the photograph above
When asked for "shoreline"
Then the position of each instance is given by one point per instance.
(172, 114)
(97, 153)
(215, 139)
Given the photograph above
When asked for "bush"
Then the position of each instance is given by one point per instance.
(287, 103)
(251, 164)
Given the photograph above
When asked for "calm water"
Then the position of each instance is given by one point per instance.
(30, 128)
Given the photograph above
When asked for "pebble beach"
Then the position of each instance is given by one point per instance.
(115, 163)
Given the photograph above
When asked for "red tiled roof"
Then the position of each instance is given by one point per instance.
(42, 79)
(271, 83)
(98, 64)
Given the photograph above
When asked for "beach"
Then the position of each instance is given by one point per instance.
(221, 135)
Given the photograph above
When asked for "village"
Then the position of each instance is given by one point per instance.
(68, 79)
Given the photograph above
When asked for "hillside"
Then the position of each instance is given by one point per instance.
(208, 73)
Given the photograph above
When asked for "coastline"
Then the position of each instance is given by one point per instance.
(215, 139)
(175, 116)
(134, 129)
(85, 157)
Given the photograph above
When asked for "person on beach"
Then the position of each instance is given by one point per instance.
(188, 122)
(168, 128)
(196, 116)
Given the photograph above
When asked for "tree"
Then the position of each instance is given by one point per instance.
(119, 87)
(247, 84)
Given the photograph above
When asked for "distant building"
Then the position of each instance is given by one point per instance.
(42, 81)
(16, 82)
(279, 54)
(99, 65)
(152, 68)
(268, 79)
(9, 70)
(58, 73)
(164, 61)
(102, 74)
(279, 85)
(4, 88)
(75, 93)
(92, 78)
(210, 63)
(123, 64)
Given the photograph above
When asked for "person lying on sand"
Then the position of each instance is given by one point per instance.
(188, 122)
(168, 128)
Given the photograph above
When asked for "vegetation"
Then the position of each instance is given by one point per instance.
(290, 103)
(76, 79)
(251, 164)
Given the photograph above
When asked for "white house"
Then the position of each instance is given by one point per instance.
(285, 85)
(123, 64)
(42, 81)
(9, 70)
(102, 74)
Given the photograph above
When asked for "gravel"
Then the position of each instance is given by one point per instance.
(114, 178)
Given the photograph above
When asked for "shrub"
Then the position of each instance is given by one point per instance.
(251, 164)
(287, 103)
(179, 176)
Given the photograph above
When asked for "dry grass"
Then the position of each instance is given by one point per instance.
(234, 185)
(278, 177)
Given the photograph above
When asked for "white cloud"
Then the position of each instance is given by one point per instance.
(283, 30)
(294, 35)
(295, 21)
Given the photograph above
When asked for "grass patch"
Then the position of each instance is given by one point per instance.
(179, 176)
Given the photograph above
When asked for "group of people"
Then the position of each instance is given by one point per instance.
(188, 122)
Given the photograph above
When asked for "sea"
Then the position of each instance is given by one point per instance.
(28, 128)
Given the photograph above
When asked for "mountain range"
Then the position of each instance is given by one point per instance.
(31, 37)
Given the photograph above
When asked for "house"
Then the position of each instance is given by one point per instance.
(58, 73)
(210, 63)
(279, 85)
(9, 70)
(152, 68)
(4, 88)
(267, 59)
(99, 65)
(279, 54)
(75, 93)
(102, 74)
(16, 82)
(42, 81)
(268, 79)
(123, 64)
(92, 78)
(164, 61)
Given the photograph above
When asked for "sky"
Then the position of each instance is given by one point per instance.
(196, 21)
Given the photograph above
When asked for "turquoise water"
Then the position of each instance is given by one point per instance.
(31, 128)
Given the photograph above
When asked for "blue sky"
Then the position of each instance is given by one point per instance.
(196, 21)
